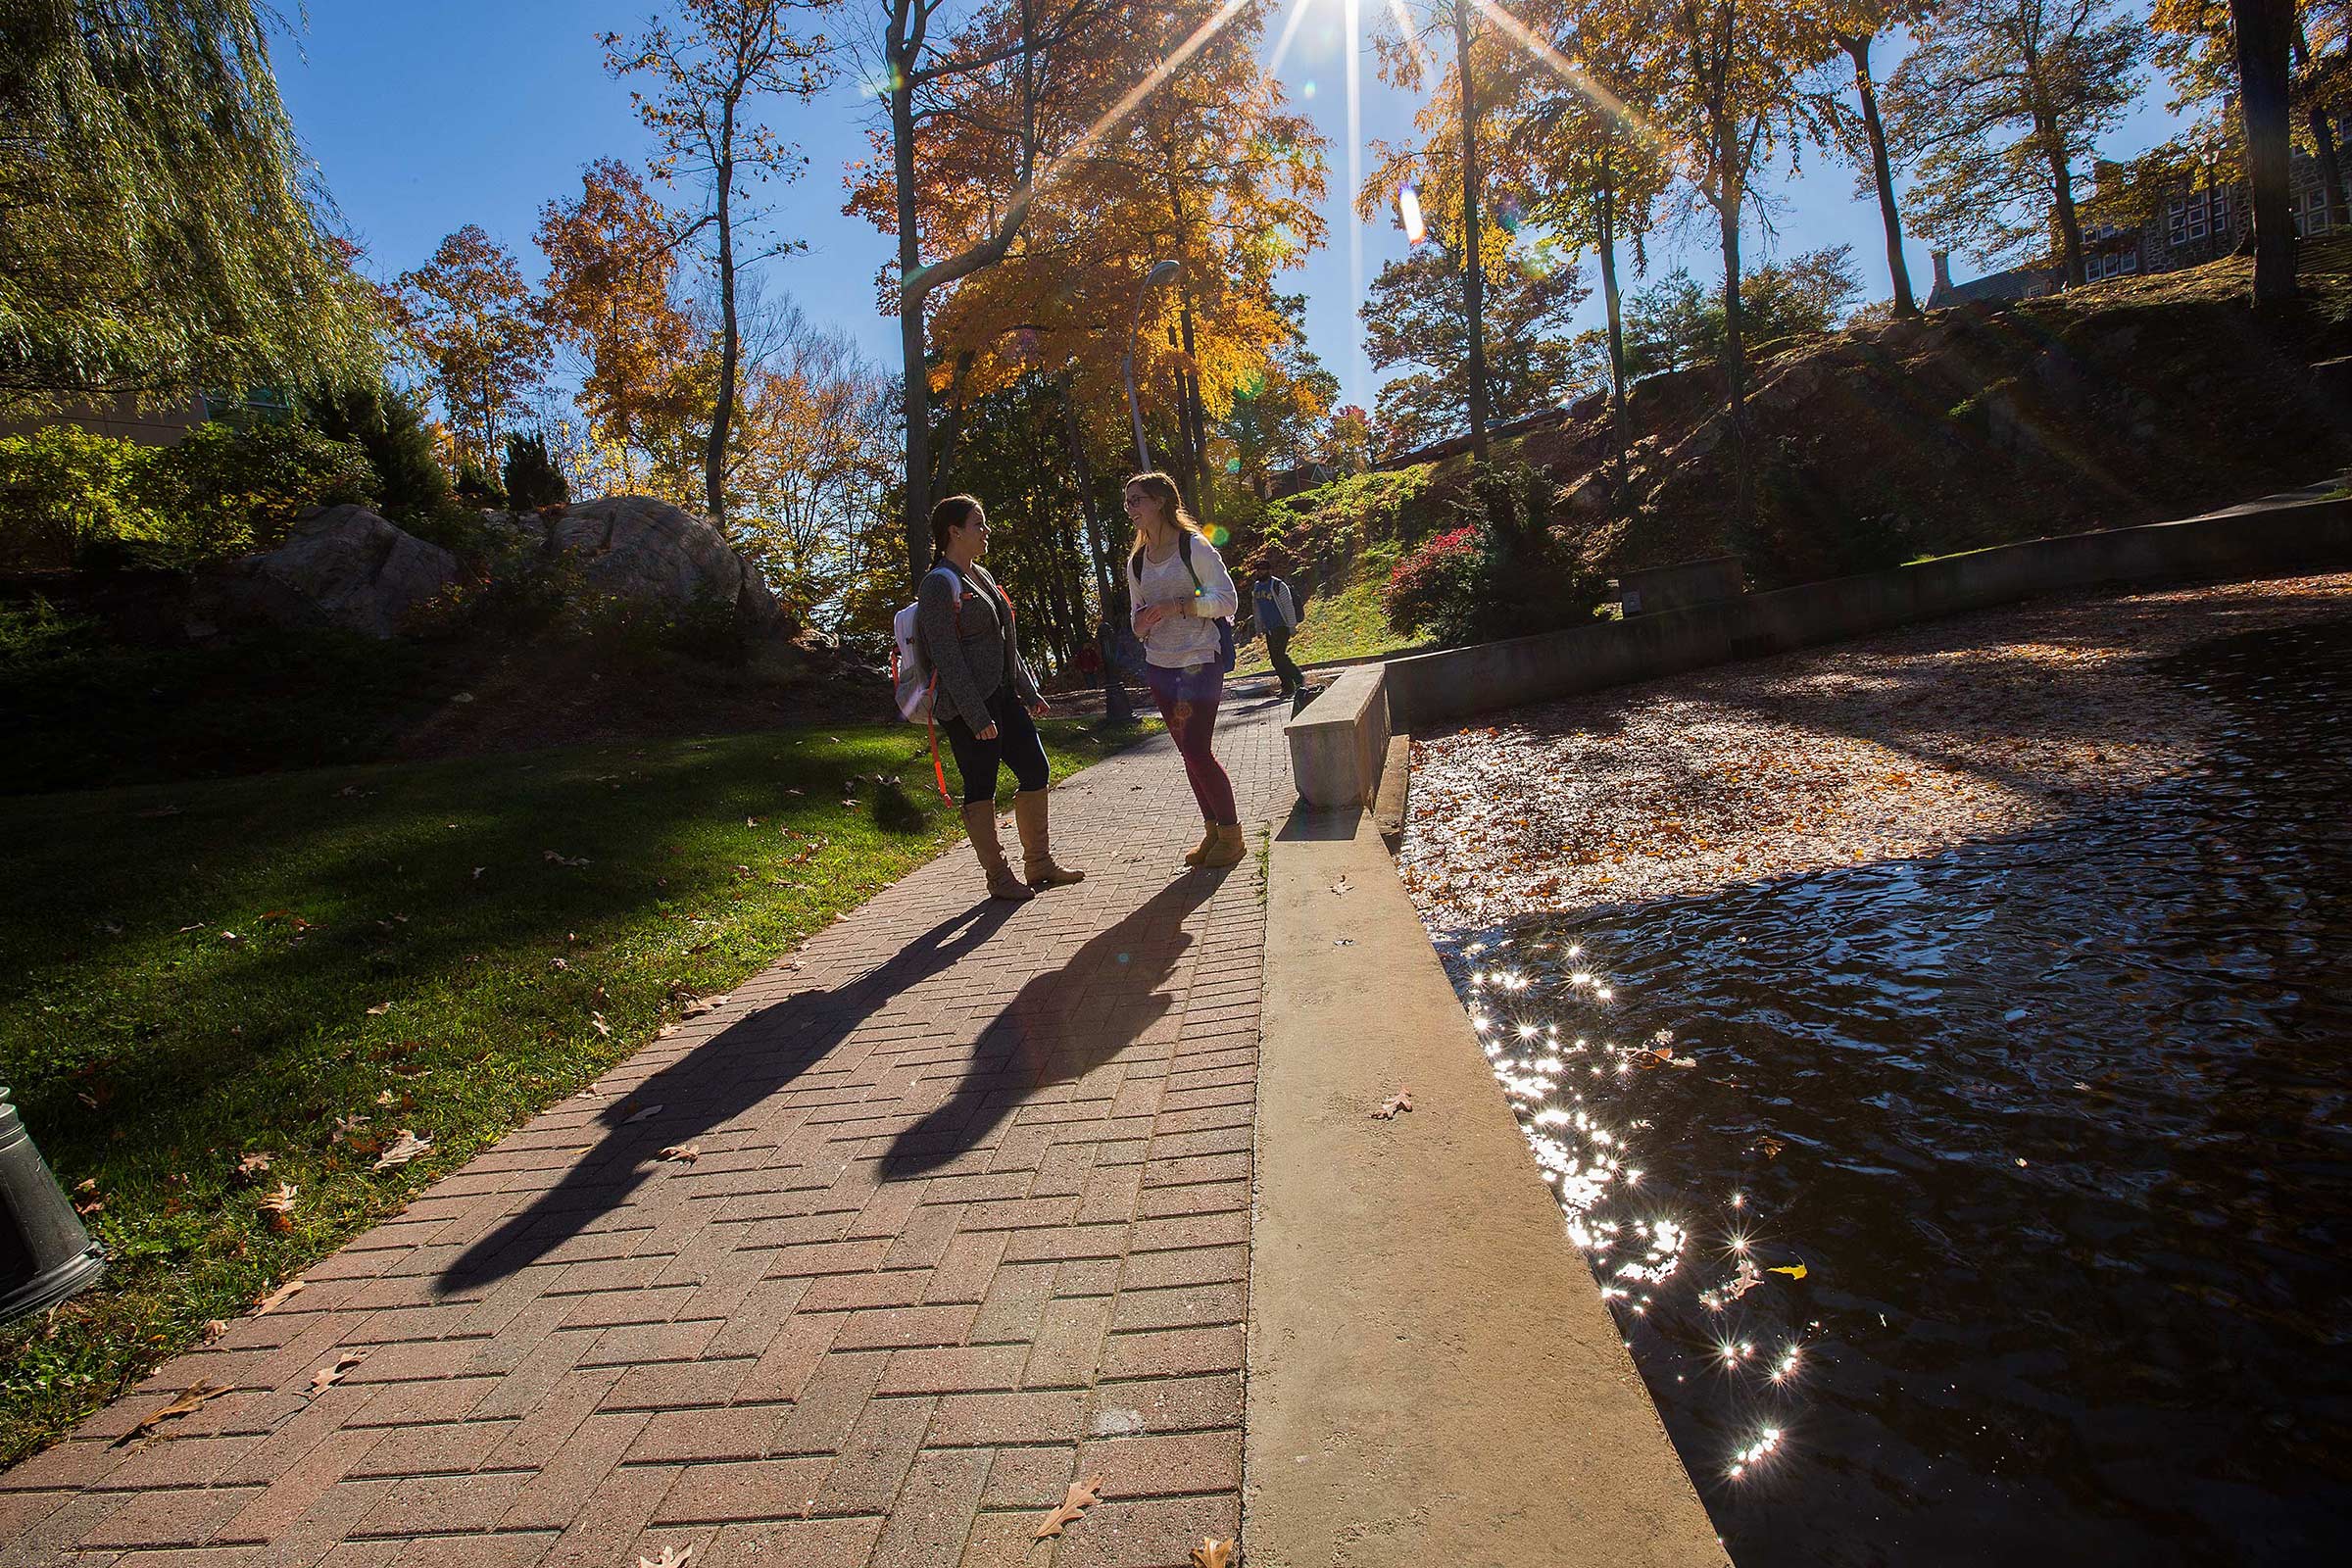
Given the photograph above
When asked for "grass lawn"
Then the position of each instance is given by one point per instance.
(1349, 624)
(303, 965)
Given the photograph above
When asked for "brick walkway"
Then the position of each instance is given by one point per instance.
(970, 1221)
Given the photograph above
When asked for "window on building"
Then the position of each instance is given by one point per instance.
(2132, 260)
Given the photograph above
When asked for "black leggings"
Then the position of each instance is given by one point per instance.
(1017, 746)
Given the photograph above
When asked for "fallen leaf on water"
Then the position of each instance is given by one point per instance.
(648, 1112)
(1212, 1554)
(278, 1297)
(405, 1147)
(1771, 1146)
(1795, 1271)
(670, 1557)
(327, 1377)
(278, 1207)
(1744, 1280)
(1401, 1100)
(197, 1394)
(1082, 1496)
(683, 1153)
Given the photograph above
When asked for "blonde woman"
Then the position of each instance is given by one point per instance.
(1180, 590)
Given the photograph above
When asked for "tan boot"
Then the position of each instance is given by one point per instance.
(1037, 848)
(980, 821)
(1228, 850)
(1209, 841)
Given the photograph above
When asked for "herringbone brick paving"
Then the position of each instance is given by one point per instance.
(970, 1220)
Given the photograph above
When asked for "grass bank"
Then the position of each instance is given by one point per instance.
(303, 966)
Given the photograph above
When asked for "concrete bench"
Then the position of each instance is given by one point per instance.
(1340, 739)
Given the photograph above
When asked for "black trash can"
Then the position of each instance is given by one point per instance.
(45, 1253)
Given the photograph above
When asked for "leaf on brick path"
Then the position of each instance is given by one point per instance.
(1343, 887)
(327, 1377)
(646, 1113)
(1795, 1271)
(198, 1393)
(279, 1208)
(405, 1147)
(670, 1557)
(1082, 1496)
(213, 1330)
(279, 1297)
(1401, 1100)
(682, 1154)
(379, 1010)
(1212, 1554)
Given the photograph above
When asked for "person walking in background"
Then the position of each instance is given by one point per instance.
(986, 698)
(1180, 591)
(1277, 613)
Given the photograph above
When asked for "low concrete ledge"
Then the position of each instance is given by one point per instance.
(1340, 739)
(2268, 538)
(1434, 1378)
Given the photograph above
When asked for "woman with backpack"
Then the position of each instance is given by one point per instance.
(1184, 601)
(985, 699)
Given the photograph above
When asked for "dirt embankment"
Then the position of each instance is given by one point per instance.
(2123, 403)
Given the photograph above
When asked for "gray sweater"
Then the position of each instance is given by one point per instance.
(970, 645)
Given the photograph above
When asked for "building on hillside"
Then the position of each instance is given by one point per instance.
(158, 425)
(2195, 225)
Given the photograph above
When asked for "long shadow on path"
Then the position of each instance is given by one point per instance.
(708, 1088)
(1061, 1025)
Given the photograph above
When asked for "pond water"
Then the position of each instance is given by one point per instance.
(1995, 1206)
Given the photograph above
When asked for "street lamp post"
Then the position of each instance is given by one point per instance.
(45, 1254)
(1161, 272)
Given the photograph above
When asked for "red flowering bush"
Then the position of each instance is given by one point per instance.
(1434, 587)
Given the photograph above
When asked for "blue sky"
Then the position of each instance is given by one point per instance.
(427, 114)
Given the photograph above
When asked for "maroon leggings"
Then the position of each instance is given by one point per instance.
(1187, 700)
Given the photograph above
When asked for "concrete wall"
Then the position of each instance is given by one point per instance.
(2264, 539)
(1680, 586)
(1340, 739)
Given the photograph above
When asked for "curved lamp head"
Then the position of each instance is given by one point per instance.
(1162, 271)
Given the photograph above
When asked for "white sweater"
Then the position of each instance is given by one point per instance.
(1182, 641)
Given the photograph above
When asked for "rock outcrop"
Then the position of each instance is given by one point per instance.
(635, 547)
(344, 569)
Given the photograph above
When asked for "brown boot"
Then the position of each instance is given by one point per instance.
(980, 821)
(1209, 841)
(1228, 849)
(1037, 848)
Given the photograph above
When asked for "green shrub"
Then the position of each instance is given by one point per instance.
(389, 426)
(475, 487)
(532, 478)
(223, 491)
(707, 631)
(66, 492)
(33, 635)
(1504, 570)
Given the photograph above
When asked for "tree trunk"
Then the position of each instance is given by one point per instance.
(2323, 142)
(1473, 273)
(1883, 171)
(1735, 360)
(2263, 29)
(1609, 293)
(722, 411)
(951, 429)
(2062, 189)
(914, 374)
(1196, 412)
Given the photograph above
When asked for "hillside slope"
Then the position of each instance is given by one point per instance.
(2126, 402)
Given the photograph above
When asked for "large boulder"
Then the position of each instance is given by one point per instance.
(635, 547)
(345, 568)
